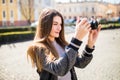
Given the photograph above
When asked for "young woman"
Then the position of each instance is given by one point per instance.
(54, 58)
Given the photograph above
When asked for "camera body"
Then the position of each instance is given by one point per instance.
(94, 23)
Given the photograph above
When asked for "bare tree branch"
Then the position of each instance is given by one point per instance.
(27, 9)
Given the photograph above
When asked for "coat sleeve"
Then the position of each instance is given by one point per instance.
(83, 60)
(59, 66)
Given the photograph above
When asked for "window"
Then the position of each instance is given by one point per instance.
(11, 18)
(11, 1)
(75, 9)
(39, 1)
(11, 14)
(69, 9)
(86, 9)
(3, 1)
(93, 10)
(69, 17)
(64, 17)
(64, 10)
(4, 14)
(4, 23)
(47, 2)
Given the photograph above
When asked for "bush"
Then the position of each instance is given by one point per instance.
(112, 21)
(103, 21)
(10, 37)
(16, 29)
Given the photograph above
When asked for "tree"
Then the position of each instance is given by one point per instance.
(27, 9)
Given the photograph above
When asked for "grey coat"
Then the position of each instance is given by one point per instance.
(59, 67)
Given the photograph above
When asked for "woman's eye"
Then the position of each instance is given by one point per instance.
(54, 24)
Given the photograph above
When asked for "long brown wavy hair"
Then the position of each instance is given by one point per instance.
(41, 36)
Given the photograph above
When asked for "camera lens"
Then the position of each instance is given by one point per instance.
(94, 24)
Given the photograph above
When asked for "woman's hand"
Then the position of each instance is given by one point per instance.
(93, 34)
(82, 28)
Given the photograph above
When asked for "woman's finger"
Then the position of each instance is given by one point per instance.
(83, 21)
(89, 28)
(78, 20)
(86, 25)
(99, 27)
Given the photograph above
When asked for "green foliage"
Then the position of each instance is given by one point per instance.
(16, 34)
(110, 26)
(16, 29)
(103, 21)
(20, 32)
(16, 37)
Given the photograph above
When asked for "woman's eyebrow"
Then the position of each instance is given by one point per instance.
(55, 21)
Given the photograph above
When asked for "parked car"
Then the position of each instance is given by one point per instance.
(34, 24)
(70, 21)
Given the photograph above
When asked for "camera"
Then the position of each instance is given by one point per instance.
(94, 24)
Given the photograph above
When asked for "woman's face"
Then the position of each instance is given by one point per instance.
(56, 28)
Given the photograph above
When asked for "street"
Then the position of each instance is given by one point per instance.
(104, 66)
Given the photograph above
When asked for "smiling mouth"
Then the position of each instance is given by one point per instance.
(57, 32)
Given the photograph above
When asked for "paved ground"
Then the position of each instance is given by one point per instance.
(104, 66)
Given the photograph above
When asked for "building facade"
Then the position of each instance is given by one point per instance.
(88, 9)
(41, 4)
(12, 14)
(10, 10)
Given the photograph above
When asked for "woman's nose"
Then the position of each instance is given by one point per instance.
(59, 27)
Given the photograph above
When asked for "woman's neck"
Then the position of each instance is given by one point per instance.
(52, 39)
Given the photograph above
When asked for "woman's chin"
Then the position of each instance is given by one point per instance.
(57, 36)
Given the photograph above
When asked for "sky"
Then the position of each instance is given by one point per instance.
(110, 1)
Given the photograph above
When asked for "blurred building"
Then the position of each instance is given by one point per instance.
(10, 11)
(87, 8)
(41, 4)
(118, 9)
